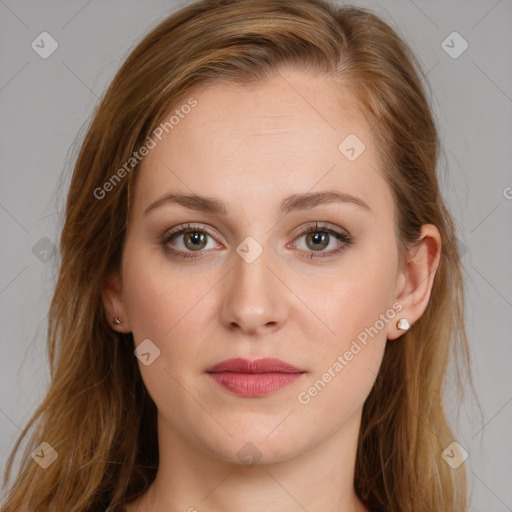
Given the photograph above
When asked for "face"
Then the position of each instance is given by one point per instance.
(246, 281)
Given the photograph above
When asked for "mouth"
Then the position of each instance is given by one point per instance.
(251, 378)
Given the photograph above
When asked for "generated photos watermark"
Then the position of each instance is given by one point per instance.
(304, 397)
(149, 144)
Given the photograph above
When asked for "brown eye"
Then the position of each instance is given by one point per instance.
(318, 240)
(188, 241)
(194, 240)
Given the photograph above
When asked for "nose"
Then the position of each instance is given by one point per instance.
(255, 298)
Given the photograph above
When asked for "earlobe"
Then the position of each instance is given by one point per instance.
(113, 302)
(417, 278)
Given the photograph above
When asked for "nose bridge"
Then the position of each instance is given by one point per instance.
(254, 297)
(251, 265)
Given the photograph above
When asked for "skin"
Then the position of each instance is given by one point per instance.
(250, 148)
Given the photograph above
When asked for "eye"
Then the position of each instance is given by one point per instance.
(190, 239)
(318, 237)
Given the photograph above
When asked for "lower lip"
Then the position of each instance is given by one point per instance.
(254, 384)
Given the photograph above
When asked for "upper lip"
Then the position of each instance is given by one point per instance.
(263, 365)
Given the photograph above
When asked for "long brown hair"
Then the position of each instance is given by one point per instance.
(97, 414)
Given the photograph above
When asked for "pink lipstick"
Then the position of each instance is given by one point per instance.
(256, 377)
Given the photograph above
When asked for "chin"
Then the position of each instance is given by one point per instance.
(255, 444)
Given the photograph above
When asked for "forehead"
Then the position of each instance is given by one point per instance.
(279, 137)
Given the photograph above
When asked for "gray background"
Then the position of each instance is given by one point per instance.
(44, 103)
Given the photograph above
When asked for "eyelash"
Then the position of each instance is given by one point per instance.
(316, 228)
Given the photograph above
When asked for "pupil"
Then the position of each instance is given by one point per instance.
(319, 238)
(195, 237)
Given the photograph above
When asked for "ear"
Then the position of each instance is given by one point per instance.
(415, 280)
(113, 301)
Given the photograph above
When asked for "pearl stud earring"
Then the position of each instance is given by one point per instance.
(403, 324)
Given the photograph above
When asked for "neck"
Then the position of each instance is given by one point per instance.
(192, 480)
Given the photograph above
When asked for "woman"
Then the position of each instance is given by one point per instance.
(259, 287)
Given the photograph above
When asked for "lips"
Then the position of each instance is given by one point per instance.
(264, 365)
(252, 378)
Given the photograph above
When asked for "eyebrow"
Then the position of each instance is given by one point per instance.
(289, 204)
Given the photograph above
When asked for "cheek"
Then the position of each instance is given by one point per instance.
(156, 295)
(360, 305)
(172, 308)
(167, 308)
(356, 310)
(346, 363)
(355, 299)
